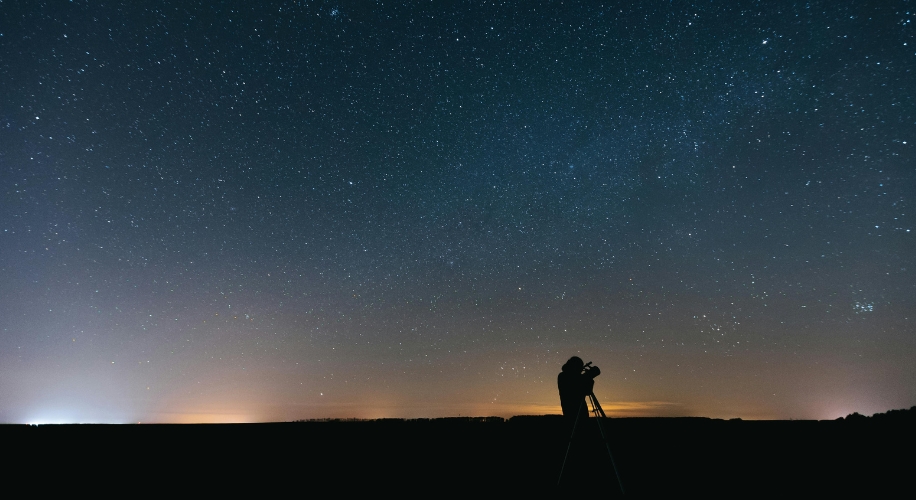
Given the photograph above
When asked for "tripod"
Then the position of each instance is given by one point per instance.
(599, 414)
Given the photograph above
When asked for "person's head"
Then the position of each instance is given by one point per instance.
(574, 365)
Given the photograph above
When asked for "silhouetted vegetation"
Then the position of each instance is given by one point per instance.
(405, 420)
(902, 415)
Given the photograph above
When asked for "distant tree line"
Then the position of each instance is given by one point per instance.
(891, 416)
(441, 419)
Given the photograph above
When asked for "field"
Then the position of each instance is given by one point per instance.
(654, 456)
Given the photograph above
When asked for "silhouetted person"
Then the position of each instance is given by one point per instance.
(574, 386)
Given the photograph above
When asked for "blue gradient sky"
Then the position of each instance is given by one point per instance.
(286, 210)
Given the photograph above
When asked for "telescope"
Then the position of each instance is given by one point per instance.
(591, 372)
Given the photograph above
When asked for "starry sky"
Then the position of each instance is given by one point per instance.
(262, 211)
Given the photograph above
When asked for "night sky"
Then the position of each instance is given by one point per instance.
(261, 211)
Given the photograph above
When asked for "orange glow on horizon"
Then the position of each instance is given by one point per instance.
(504, 410)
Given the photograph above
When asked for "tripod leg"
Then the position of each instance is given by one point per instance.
(568, 447)
(596, 405)
(599, 412)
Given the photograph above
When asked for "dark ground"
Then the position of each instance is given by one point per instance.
(655, 457)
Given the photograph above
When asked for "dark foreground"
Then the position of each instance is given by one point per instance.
(655, 457)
